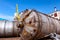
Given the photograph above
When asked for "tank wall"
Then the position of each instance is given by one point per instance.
(38, 25)
(8, 28)
(49, 25)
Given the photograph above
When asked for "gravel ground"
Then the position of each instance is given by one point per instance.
(14, 38)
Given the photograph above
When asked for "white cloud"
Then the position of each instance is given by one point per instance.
(7, 17)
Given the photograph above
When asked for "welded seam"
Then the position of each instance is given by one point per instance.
(4, 28)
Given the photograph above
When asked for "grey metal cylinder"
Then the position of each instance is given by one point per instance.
(37, 25)
(8, 28)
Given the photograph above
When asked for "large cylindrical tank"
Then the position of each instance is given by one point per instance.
(8, 28)
(38, 25)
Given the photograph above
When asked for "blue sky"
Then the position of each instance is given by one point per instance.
(7, 7)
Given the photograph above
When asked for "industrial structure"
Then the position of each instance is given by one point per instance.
(55, 14)
(9, 28)
(16, 15)
(32, 25)
(37, 25)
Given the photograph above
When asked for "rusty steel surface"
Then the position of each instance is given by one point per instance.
(37, 25)
(8, 28)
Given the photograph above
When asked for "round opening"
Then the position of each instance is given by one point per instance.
(55, 15)
(30, 22)
(34, 30)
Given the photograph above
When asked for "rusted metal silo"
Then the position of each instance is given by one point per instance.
(37, 25)
(8, 28)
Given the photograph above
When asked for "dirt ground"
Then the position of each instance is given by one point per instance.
(13, 38)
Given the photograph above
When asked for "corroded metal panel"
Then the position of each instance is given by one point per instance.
(37, 25)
